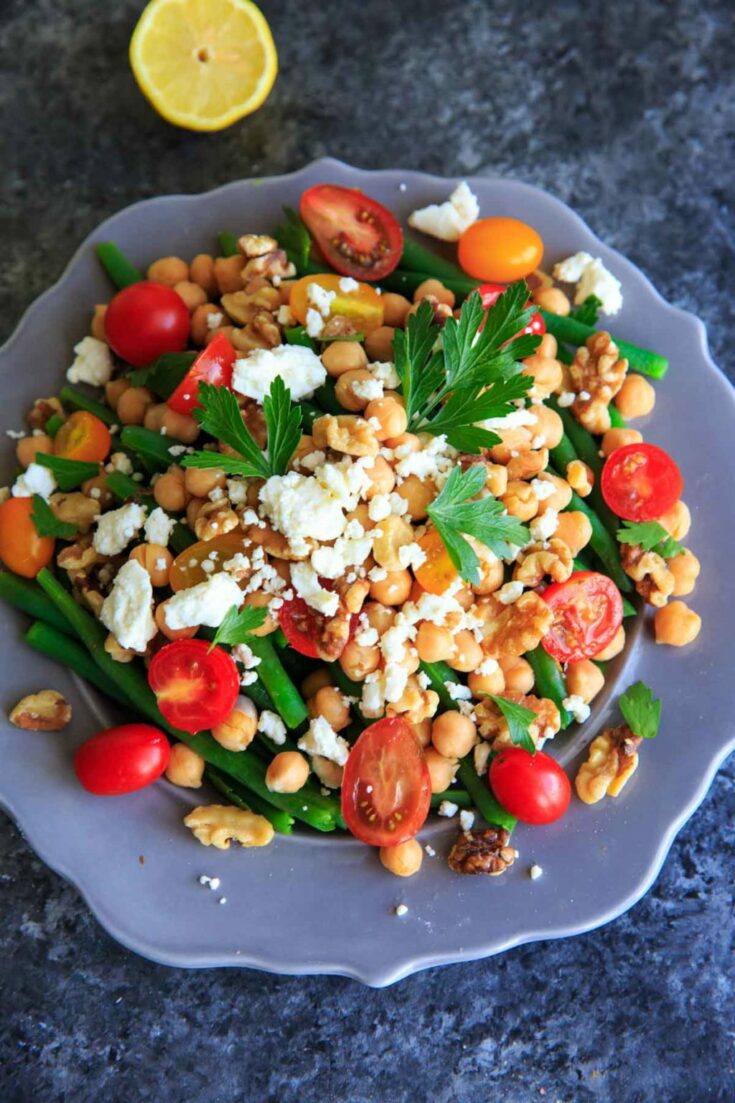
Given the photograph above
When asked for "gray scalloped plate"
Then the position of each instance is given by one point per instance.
(311, 904)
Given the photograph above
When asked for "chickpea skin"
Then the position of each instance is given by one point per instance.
(468, 653)
(552, 299)
(441, 770)
(584, 679)
(358, 661)
(191, 293)
(561, 497)
(548, 425)
(201, 271)
(575, 529)
(237, 732)
(518, 673)
(580, 477)
(453, 735)
(199, 481)
(185, 767)
(180, 426)
(486, 683)
(133, 404)
(114, 389)
(616, 645)
(287, 772)
(394, 589)
(677, 521)
(170, 492)
(418, 494)
(403, 860)
(395, 533)
(685, 569)
(548, 346)
(391, 416)
(344, 392)
(380, 617)
(153, 419)
(97, 326)
(617, 438)
(156, 560)
(168, 270)
(28, 448)
(382, 478)
(676, 624)
(343, 356)
(316, 680)
(199, 326)
(171, 633)
(636, 397)
(520, 500)
(330, 703)
(395, 308)
(436, 288)
(379, 343)
(228, 273)
(434, 643)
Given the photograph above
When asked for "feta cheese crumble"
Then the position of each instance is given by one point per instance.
(592, 278)
(323, 740)
(158, 527)
(126, 611)
(535, 872)
(314, 322)
(447, 221)
(270, 724)
(466, 819)
(400, 910)
(545, 525)
(92, 363)
(36, 479)
(509, 594)
(117, 528)
(300, 369)
(207, 603)
(448, 808)
(579, 709)
(320, 298)
(347, 284)
(307, 586)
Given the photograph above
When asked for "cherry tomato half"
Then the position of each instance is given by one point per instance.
(532, 787)
(491, 292)
(500, 249)
(588, 610)
(639, 482)
(214, 365)
(303, 626)
(145, 320)
(186, 569)
(121, 760)
(83, 437)
(22, 550)
(386, 789)
(363, 305)
(357, 235)
(437, 572)
(195, 688)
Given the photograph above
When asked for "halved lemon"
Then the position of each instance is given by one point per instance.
(203, 64)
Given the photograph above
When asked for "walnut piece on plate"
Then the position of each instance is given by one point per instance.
(612, 758)
(45, 711)
(482, 851)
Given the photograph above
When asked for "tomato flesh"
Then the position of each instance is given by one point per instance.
(588, 611)
(386, 789)
(22, 550)
(437, 572)
(358, 236)
(640, 482)
(532, 787)
(491, 292)
(187, 570)
(363, 305)
(145, 320)
(83, 437)
(303, 626)
(500, 249)
(195, 688)
(121, 760)
(214, 365)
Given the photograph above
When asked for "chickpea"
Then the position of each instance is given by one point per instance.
(260, 600)
(518, 674)
(486, 683)
(316, 680)
(169, 491)
(497, 479)
(677, 521)
(492, 574)
(382, 478)
(552, 299)
(548, 425)
(200, 480)
(453, 735)
(561, 497)
(390, 414)
(193, 509)
(358, 661)
(192, 294)
(114, 389)
(511, 440)
(133, 404)
(616, 438)
(676, 624)
(436, 288)
(228, 273)
(28, 448)
(287, 772)
(520, 500)
(380, 617)
(343, 356)
(395, 533)
(395, 308)
(117, 653)
(685, 569)
(360, 512)
(155, 559)
(434, 643)
(199, 327)
(153, 419)
(180, 426)
(614, 648)
(328, 772)
(168, 270)
(403, 860)
(185, 767)
(575, 529)
(237, 732)
(580, 477)
(379, 343)
(468, 653)
(441, 770)
(407, 442)
(636, 397)
(418, 494)
(394, 589)
(171, 633)
(201, 271)
(330, 703)
(584, 679)
(546, 374)
(345, 394)
(548, 346)
(98, 483)
(97, 326)
(422, 731)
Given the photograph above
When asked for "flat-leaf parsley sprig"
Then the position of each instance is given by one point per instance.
(46, 524)
(237, 627)
(519, 720)
(454, 512)
(641, 710)
(651, 536)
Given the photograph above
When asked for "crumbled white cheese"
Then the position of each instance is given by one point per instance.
(212, 882)
(430, 850)
(488, 666)
(36, 479)
(545, 525)
(92, 363)
(270, 724)
(323, 740)
(516, 419)
(120, 462)
(411, 555)
(535, 872)
(579, 708)
(126, 611)
(543, 489)
(366, 636)
(379, 508)
(347, 551)
(367, 389)
(435, 460)
(285, 316)
(307, 585)
(509, 594)
(347, 284)
(377, 574)
(314, 322)
(299, 367)
(466, 819)
(320, 298)
(158, 527)
(15, 434)
(400, 910)
(117, 528)
(480, 756)
(450, 219)
(448, 808)
(458, 692)
(312, 460)
(207, 603)
(215, 319)
(566, 398)
(385, 372)
(592, 278)
(301, 507)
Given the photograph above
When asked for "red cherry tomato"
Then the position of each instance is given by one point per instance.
(121, 760)
(639, 482)
(214, 364)
(491, 292)
(588, 610)
(532, 787)
(357, 235)
(22, 550)
(386, 789)
(303, 626)
(195, 688)
(145, 320)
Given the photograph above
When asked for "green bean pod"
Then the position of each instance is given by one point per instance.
(549, 681)
(153, 447)
(26, 596)
(121, 271)
(77, 400)
(575, 333)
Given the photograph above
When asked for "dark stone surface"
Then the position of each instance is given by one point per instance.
(626, 112)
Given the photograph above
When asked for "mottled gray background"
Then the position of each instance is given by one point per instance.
(626, 112)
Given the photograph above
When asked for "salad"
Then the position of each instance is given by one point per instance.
(350, 531)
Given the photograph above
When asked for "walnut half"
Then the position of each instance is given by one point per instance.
(611, 759)
(482, 852)
(45, 711)
(219, 824)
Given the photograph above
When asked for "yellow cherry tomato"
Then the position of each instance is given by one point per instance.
(187, 568)
(500, 249)
(437, 572)
(22, 550)
(360, 304)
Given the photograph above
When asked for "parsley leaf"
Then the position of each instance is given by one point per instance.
(69, 474)
(641, 710)
(453, 513)
(420, 372)
(519, 720)
(651, 536)
(219, 415)
(588, 312)
(283, 421)
(238, 626)
(293, 236)
(458, 416)
(45, 522)
(163, 375)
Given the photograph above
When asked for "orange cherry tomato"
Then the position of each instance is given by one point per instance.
(500, 249)
(437, 572)
(22, 550)
(187, 570)
(83, 437)
(362, 306)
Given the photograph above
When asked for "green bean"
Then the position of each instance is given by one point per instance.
(29, 598)
(459, 797)
(575, 333)
(181, 538)
(617, 421)
(603, 545)
(69, 474)
(564, 355)
(243, 798)
(327, 398)
(563, 454)
(120, 270)
(46, 640)
(417, 258)
(123, 486)
(258, 694)
(53, 424)
(79, 401)
(154, 447)
(227, 243)
(286, 698)
(405, 283)
(549, 681)
(587, 449)
(309, 413)
(297, 335)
